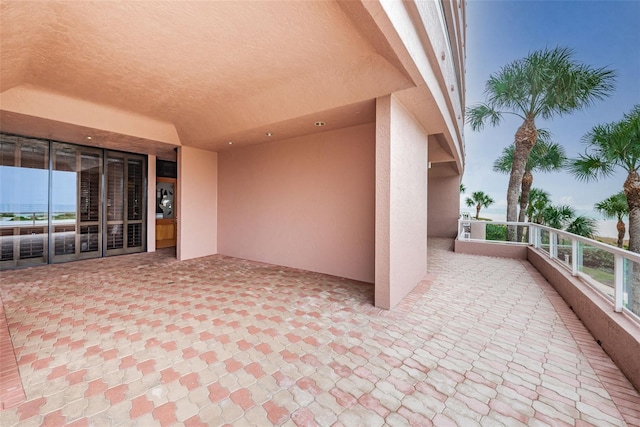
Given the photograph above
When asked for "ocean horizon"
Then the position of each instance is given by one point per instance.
(34, 207)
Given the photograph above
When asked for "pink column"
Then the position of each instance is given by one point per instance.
(197, 203)
(401, 202)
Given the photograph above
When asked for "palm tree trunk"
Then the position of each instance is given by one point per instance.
(632, 191)
(527, 182)
(525, 139)
(478, 211)
(621, 231)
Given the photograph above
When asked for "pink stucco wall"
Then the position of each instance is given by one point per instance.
(38, 102)
(197, 211)
(306, 202)
(444, 204)
(401, 202)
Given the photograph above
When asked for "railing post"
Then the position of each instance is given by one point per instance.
(535, 235)
(574, 257)
(553, 245)
(618, 284)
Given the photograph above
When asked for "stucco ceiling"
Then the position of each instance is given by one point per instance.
(218, 71)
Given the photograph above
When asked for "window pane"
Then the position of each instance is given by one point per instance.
(135, 183)
(115, 189)
(90, 188)
(24, 205)
(77, 183)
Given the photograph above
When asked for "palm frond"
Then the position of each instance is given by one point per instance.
(613, 145)
(479, 115)
(547, 156)
(564, 85)
(544, 135)
(504, 163)
(615, 206)
(590, 168)
(583, 226)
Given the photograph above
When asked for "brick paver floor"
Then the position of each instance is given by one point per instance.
(144, 340)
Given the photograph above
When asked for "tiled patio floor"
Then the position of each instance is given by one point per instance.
(137, 340)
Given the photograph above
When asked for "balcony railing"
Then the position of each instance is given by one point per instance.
(613, 272)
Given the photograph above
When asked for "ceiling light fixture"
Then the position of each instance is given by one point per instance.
(89, 137)
(230, 142)
(320, 123)
(269, 134)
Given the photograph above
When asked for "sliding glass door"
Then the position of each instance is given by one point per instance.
(24, 206)
(76, 193)
(62, 202)
(125, 203)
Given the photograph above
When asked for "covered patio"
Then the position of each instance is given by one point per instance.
(147, 340)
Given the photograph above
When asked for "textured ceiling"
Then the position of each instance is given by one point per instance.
(218, 71)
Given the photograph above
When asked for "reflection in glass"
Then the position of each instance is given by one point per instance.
(24, 210)
(97, 200)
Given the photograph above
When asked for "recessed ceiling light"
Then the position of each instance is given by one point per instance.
(269, 134)
(320, 123)
(89, 137)
(230, 142)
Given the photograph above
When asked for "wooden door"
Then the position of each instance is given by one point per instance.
(166, 224)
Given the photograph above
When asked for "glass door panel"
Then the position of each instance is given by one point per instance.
(135, 204)
(76, 192)
(24, 204)
(115, 204)
(126, 203)
(62, 202)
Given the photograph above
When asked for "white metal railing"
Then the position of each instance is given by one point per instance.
(618, 283)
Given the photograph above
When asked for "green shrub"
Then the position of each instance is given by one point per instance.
(496, 232)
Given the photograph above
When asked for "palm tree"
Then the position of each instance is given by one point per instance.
(463, 189)
(538, 201)
(615, 207)
(557, 216)
(609, 147)
(480, 200)
(583, 226)
(546, 83)
(545, 156)
(563, 217)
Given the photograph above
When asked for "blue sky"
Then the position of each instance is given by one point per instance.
(602, 34)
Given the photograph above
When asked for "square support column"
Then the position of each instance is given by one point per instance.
(401, 202)
(197, 211)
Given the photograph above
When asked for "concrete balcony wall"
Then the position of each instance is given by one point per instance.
(491, 249)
